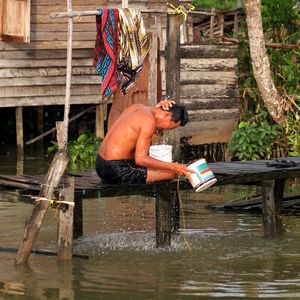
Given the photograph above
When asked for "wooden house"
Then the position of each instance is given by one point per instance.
(33, 65)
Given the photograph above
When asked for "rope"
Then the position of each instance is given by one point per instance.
(52, 201)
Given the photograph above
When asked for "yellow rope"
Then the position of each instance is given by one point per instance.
(52, 201)
(183, 218)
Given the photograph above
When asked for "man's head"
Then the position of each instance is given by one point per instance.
(176, 116)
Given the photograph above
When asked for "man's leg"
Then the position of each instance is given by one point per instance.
(159, 175)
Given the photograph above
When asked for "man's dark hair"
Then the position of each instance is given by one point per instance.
(179, 113)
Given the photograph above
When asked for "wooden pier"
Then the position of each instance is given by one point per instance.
(87, 185)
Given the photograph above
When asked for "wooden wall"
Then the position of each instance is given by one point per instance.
(33, 74)
(209, 90)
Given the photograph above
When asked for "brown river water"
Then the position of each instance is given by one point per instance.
(220, 255)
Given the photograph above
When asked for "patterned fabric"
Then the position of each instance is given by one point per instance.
(134, 46)
(106, 50)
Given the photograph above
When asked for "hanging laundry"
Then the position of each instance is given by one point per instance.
(134, 46)
(106, 50)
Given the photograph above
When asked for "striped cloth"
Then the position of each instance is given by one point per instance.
(134, 46)
(106, 50)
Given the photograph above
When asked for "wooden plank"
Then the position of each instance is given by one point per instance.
(51, 100)
(38, 72)
(51, 80)
(61, 27)
(47, 45)
(208, 132)
(195, 104)
(45, 54)
(7, 92)
(214, 114)
(32, 63)
(214, 77)
(207, 91)
(209, 64)
(208, 51)
(61, 36)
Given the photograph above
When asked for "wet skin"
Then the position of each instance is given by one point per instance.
(130, 138)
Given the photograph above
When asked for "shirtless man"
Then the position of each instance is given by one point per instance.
(123, 155)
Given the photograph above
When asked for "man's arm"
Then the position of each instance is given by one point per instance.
(142, 157)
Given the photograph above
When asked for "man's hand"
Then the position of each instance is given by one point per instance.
(165, 104)
(182, 170)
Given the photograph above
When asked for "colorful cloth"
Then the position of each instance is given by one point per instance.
(106, 50)
(134, 46)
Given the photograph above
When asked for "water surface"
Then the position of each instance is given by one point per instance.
(215, 255)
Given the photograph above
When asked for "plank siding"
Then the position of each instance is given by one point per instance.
(33, 74)
(209, 90)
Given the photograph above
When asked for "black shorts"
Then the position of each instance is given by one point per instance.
(120, 171)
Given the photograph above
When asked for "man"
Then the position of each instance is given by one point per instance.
(124, 153)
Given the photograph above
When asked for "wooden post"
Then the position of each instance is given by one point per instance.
(153, 59)
(272, 225)
(78, 217)
(173, 72)
(65, 225)
(19, 130)
(175, 211)
(32, 227)
(101, 111)
(163, 217)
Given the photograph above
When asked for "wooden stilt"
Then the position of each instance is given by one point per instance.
(163, 217)
(271, 194)
(153, 57)
(175, 211)
(65, 225)
(279, 193)
(101, 111)
(19, 129)
(78, 221)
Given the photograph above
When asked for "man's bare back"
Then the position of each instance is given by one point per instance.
(120, 141)
(125, 148)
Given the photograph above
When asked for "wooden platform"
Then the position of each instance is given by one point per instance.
(88, 185)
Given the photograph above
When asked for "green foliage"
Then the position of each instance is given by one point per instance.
(81, 152)
(292, 130)
(253, 138)
(223, 5)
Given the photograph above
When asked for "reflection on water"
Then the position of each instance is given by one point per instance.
(229, 257)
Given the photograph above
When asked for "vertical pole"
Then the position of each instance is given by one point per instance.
(101, 110)
(19, 130)
(173, 55)
(173, 72)
(153, 57)
(69, 74)
(272, 225)
(78, 217)
(65, 225)
(163, 217)
(175, 211)
(279, 193)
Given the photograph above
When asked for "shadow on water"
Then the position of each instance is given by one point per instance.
(229, 258)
